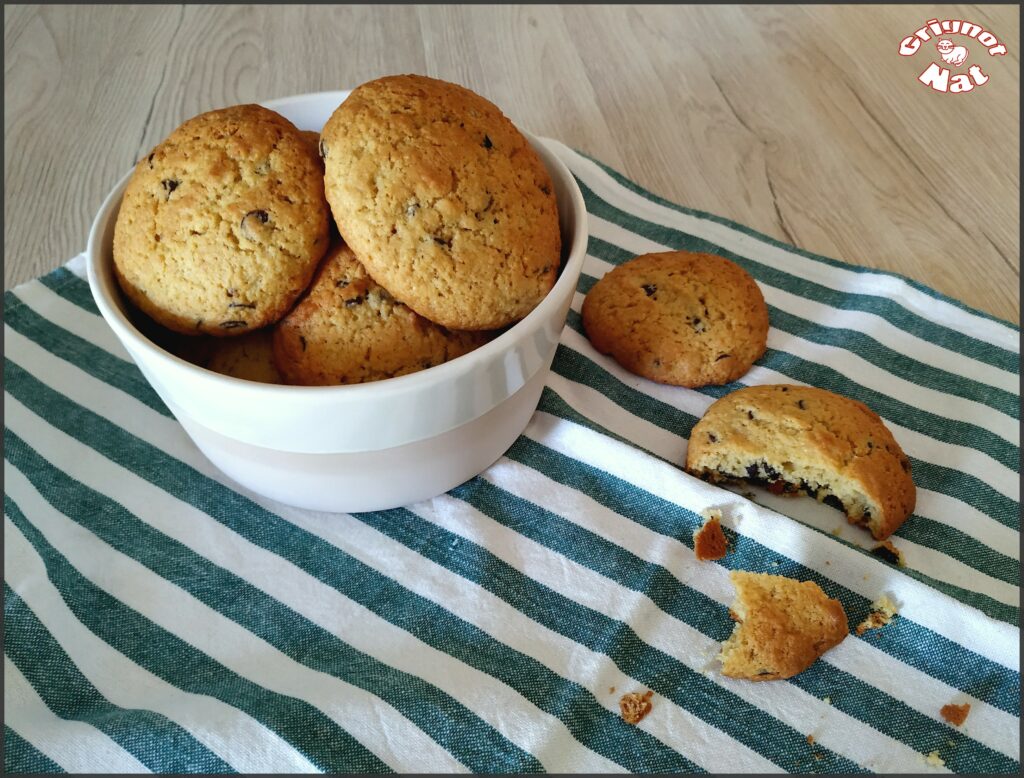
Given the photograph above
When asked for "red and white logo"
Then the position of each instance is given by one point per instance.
(951, 52)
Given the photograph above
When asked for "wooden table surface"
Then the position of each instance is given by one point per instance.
(801, 122)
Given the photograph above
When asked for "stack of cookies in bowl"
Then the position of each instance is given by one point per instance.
(417, 225)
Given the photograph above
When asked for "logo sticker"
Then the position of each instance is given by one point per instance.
(952, 52)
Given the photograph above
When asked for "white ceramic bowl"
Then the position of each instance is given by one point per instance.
(367, 446)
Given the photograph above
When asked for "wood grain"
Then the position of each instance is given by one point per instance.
(800, 122)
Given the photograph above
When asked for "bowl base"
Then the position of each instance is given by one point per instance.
(359, 481)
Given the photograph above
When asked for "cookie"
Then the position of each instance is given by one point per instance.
(800, 440)
(709, 542)
(678, 318)
(443, 200)
(348, 329)
(250, 356)
(782, 626)
(223, 223)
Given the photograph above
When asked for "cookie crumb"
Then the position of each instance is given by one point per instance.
(611, 690)
(883, 610)
(827, 700)
(935, 760)
(838, 531)
(709, 541)
(634, 706)
(810, 740)
(887, 551)
(955, 714)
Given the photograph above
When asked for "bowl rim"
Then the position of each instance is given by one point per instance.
(399, 385)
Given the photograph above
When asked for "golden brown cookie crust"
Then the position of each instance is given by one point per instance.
(805, 440)
(348, 329)
(783, 626)
(223, 223)
(678, 318)
(443, 200)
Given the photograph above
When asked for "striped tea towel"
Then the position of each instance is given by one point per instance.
(159, 619)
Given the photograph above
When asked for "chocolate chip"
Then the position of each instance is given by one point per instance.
(866, 516)
(446, 242)
(785, 388)
(487, 142)
(354, 302)
(712, 437)
(341, 283)
(169, 185)
(905, 464)
(650, 289)
(870, 445)
(302, 340)
(801, 405)
(545, 189)
(410, 211)
(233, 324)
(151, 161)
(752, 471)
(261, 216)
(750, 415)
(231, 292)
(720, 357)
(884, 552)
(323, 150)
(835, 502)
(242, 305)
(769, 471)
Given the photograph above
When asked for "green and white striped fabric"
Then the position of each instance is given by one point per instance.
(158, 619)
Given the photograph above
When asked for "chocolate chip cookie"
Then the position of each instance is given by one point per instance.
(443, 200)
(223, 223)
(678, 318)
(348, 329)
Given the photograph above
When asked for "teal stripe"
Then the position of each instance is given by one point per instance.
(72, 288)
(20, 756)
(156, 741)
(882, 306)
(81, 353)
(165, 655)
(575, 706)
(928, 651)
(552, 403)
(864, 346)
(590, 550)
(460, 731)
(636, 189)
(573, 365)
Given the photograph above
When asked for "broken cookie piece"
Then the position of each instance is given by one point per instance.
(800, 440)
(887, 551)
(783, 626)
(634, 706)
(883, 610)
(955, 714)
(709, 542)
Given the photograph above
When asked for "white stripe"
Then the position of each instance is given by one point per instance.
(88, 326)
(916, 444)
(74, 745)
(852, 365)
(858, 657)
(498, 705)
(372, 722)
(76, 265)
(231, 734)
(928, 607)
(859, 282)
